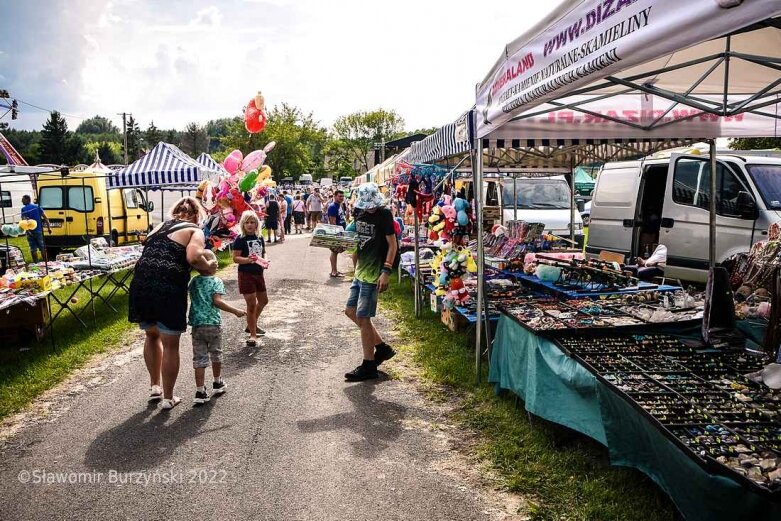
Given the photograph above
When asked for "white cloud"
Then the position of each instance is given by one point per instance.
(174, 65)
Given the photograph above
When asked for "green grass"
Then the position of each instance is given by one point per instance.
(561, 476)
(28, 370)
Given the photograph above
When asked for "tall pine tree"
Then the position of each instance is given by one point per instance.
(54, 140)
(152, 136)
(133, 140)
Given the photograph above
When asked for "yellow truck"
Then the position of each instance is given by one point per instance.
(80, 207)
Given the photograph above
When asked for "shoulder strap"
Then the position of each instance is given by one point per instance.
(175, 227)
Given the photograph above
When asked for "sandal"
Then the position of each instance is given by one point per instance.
(155, 393)
(252, 343)
(170, 403)
(337, 274)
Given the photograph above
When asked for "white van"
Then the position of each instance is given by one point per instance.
(539, 199)
(12, 188)
(305, 179)
(638, 204)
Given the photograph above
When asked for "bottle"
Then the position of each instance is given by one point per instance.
(647, 252)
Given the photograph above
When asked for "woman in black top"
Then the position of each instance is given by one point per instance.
(158, 293)
(272, 217)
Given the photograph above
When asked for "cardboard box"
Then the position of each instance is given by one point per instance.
(453, 320)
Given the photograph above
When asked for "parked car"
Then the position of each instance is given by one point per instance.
(638, 204)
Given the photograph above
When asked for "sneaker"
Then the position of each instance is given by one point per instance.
(155, 393)
(201, 397)
(383, 352)
(257, 329)
(361, 373)
(168, 404)
(219, 387)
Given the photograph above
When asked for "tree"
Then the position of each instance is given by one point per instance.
(172, 137)
(755, 143)
(194, 140)
(3, 125)
(133, 140)
(152, 136)
(54, 138)
(216, 130)
(109, 152)
(27, 143)
(361, 130)
(97, 125)
(337, 159)
(300, 142)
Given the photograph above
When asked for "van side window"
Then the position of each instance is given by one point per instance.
(80, 198)
(51, 197)
(5, 199)
(691, 186)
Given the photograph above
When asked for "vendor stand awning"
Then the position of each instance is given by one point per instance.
(450, 140)
(163, 167)
(209, 162)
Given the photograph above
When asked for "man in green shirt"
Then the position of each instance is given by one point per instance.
(373, 265)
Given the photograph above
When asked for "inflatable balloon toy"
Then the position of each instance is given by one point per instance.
(461, 206)
(255, 118)
(232, 161)
(28, 224)
(256, 158)
(248, 181)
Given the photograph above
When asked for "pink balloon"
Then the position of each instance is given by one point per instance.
(233, 161)
(253, 160)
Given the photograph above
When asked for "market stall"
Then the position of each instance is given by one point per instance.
(679, 410)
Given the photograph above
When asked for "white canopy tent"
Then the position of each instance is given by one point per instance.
(634, 70)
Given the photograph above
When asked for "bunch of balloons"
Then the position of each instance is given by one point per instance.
(15, 230)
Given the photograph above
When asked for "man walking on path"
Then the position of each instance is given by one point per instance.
(315, 206)
(336, 216)
(373, 259)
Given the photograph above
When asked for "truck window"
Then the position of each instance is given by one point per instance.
(131, 199)
(768, 181)
(5, 199)
(51, 197)
(691, 186)
(80, 198)
(544, 194)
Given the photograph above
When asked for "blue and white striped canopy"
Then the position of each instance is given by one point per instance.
(452, 139)
(165, 166)
(209, 162)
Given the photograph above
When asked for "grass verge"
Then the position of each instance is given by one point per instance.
(28, 370)
(561, 475)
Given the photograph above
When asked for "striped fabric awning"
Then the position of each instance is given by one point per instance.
(452, 139)
(209, 162)
(558, 153)
(165, 166)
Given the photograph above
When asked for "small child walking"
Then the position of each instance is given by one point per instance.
(206, 293)
(249, 252)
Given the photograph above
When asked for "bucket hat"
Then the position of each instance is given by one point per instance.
(369, 197)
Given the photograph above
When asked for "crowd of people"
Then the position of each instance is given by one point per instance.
(161, 285)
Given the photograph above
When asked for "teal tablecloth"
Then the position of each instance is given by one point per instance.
(559, 389)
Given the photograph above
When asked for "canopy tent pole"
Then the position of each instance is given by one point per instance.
(477, 171)
(712, 206)
(416, 232)
(572, 202)
(515, 197)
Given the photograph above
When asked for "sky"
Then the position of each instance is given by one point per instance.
(175, 61)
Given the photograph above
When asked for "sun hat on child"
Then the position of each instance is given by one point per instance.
(369, 197)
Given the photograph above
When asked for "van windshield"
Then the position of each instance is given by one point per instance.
(768, 181)
(536, 193)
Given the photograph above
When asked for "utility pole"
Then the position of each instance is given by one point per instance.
(124, 131)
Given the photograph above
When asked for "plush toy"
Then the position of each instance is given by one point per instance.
(461, 207)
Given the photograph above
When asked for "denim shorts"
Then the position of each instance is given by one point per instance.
(207, 342)
(363, 296)
(161, 327)
(35, 240)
